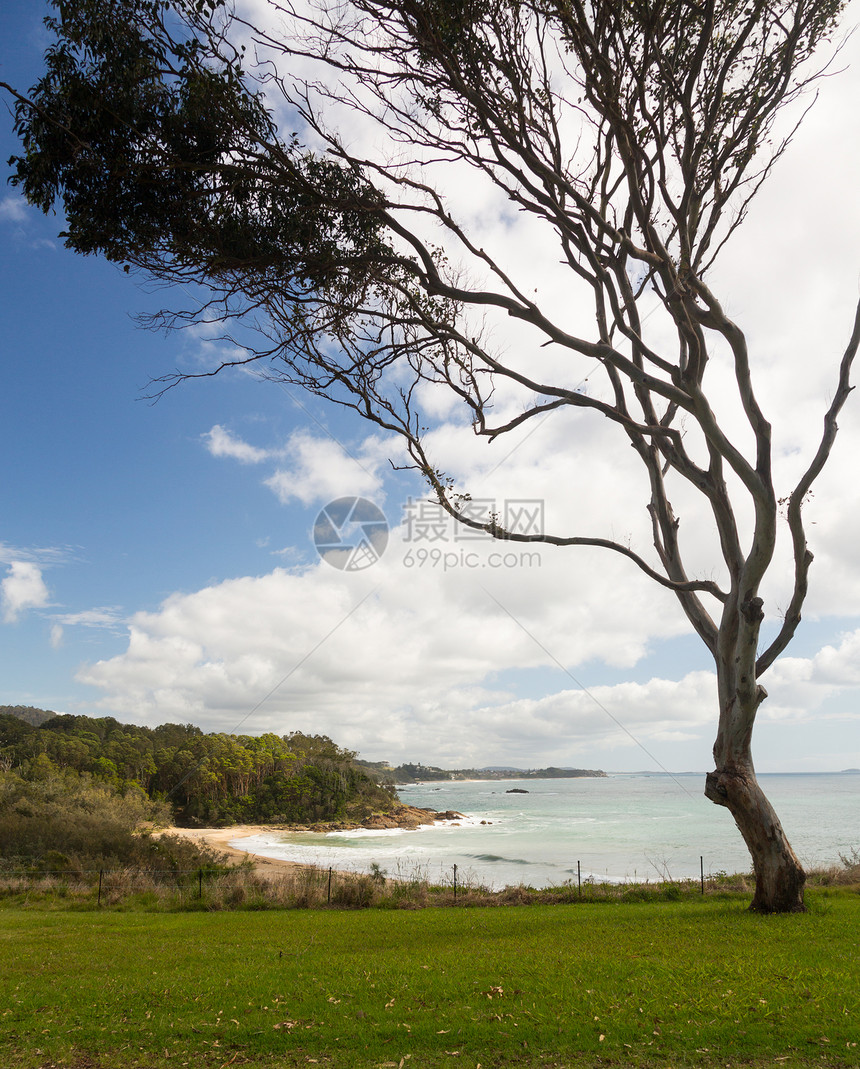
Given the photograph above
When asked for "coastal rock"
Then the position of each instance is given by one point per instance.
(516, 790)
(407, 816)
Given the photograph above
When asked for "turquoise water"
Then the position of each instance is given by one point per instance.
(623, 827)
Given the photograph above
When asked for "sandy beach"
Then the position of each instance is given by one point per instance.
(219, 839)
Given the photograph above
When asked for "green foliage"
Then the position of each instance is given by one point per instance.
(62, 820)
(215, 779)
(145, 126)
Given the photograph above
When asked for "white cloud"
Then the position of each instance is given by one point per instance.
(107, 617)
(13, 209)
(316, 470)
(208, 347)
(222, 443)
(414, 664)
(43, 556)
(22, 589)
(312, 468)
(799, 688)
(421, 669)
(415, 671)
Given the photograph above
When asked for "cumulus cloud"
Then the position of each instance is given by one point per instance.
(800, 687)
(222, 443)
(413, 648)
(379, 673)
(422, 656)
(316, 469)
(310, 467)
(22, 589)
(423, 667)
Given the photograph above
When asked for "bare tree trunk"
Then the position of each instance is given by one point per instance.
(779, 876)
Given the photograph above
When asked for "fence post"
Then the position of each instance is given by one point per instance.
(702, 871)
(455, 883)
(100, 887)
(328, 900)
(579, 879)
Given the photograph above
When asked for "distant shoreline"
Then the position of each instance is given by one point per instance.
(407, 775)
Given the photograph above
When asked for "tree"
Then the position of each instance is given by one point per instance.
(634, 136)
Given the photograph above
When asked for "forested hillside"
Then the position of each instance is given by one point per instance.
(213, 779)
(27, 712)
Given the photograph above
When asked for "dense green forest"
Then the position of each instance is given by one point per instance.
(73, 779)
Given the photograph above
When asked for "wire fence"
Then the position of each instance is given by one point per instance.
(309, 884)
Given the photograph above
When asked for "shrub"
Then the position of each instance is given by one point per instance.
(353, 892)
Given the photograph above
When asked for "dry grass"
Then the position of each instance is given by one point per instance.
(243, 888)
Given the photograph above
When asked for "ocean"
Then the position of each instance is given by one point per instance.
(621, 828)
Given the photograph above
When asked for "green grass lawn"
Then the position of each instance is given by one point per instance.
(643, 984)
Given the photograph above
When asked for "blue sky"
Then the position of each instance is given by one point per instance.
(158, 561)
